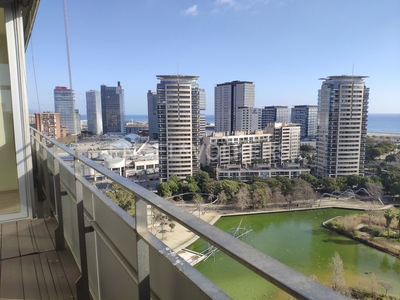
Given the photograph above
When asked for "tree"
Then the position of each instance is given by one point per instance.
(210, 170)
(329, 185)
(278, 197)
(242, 198)
(256, 200)
(230, 187)
(338, 282)
(173, 186)
(222, 198)
(311, 179)
(163, 190)
(375, 189)
(386, 285)
(389, 214)
(172, 226)
(174, 178)
(306, 148)
(302, 190)
(390, 158)
(202, 179)
(122, 197)
(286, 187)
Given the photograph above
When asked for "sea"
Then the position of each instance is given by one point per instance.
(377, 123)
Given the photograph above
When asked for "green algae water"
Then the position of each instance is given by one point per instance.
(298, 240)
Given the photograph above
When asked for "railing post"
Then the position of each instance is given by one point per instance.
(82, 284)
(45, 178)
(142, 250)
(59, 231)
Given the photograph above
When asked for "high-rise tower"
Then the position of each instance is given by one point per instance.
(113, 108)
(64, 104)
(272, 114)
(179, 125)
(306, 116)
(342, 126)
(234, 102)
(152, 114)
(93, 111)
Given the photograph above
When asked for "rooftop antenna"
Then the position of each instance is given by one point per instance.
(352, 71)
(177, 68)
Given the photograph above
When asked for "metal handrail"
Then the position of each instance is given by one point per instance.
(285, 278)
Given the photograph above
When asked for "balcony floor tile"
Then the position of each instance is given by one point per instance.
(31, 268)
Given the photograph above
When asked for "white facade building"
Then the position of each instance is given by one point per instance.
(93, 112)
(179, 125)
(342, 126)
(277, 145)
(261, 153)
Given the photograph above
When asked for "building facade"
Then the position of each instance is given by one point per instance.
(64, 104)
(112, 108)
(178, 125)
(152, 114)
(286, 139)
(233, 106)
(307, 117)
(93, 112)
(272, 114)
(342, 126)
(267, 153)
(277, 145)
(49, 123)
(78, 122)
(202, 97)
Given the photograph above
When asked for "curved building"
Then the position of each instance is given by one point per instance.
(342, 126)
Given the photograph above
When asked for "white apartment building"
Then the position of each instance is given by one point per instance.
(239, 148)
(233, 106)
(342, 126)
(241, 155)
(178, 111)
(93, 112)
(286, 139)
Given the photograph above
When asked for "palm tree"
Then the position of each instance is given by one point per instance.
(389, 214)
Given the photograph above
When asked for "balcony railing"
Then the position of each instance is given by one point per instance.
(119, 257)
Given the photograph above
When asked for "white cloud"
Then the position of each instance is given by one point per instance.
(191, 11)
(230, 2)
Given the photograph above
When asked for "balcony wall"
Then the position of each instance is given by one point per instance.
(119, 258)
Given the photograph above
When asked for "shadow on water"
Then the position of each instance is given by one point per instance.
(340, 241)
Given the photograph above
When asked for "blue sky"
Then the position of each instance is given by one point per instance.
(283, 46)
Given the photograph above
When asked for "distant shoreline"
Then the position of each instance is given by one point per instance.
(383, 134)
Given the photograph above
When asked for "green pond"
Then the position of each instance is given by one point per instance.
(298, 240)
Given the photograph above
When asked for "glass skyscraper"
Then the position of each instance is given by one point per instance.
(113, 108)
(64, 104)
